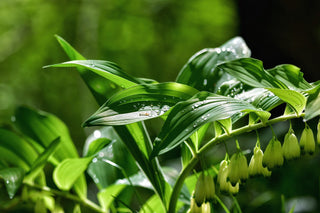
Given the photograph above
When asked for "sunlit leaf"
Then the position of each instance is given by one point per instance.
(16, 150)
(291, 76)
(42, 159)
(95, 146)
(140, 103)
(106, 69)
(251, 72)
(295, 99)
(188, 116)
(312, 108)
(69, 170)
(153, 205)
(107, 195)
(12, 179)
(200, 73)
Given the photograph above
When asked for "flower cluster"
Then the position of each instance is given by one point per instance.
(235, 171)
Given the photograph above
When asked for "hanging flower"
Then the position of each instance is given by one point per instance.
(238, 168)
(273, 154)
(290, 147)
(226, 186)
(255, 165)
(307, 142)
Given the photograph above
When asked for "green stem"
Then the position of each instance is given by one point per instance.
(214, 141)
(222, 204)
(67, 195)
(236, 204)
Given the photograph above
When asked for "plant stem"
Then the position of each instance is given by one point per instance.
(214, 141)
(67, 195)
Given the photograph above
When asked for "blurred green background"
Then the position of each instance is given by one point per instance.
(147, 38)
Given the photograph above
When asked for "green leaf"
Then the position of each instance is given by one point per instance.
(291, 76)
(260, 98)
(312, 108)
(153, 205)
(140, 103)
(43, 128)
(42, 159)
(250, 71)
(295, 99)
(100, 87)
(200, 72)
(12, 179)
(69, 170)
(107, 195)
(188, 116)
(16, 150)
(95, 146)
(106, 69)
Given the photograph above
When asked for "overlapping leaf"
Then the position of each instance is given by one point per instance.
(43, 128)
(16, 150)
(188, 116)
(200, 72)
(140, 103)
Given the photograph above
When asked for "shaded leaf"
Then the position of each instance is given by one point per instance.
(140, 103)
(188, 116)
(200, 72)
(42, 159)
(12, 179)
(43, 128)
(16, 150)
(69, 170)
(295, 99)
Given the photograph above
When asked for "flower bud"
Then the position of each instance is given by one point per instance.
(290, 147)
(225, 186)
(307, 142)
(255, 165)
(194, 208)
(210, 188)
(206, 207)
(273, 155)
(238, 168)
(200, 191)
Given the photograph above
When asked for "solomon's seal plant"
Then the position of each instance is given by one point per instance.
(219, 94)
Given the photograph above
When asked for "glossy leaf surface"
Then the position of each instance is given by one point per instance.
(12, 179)
(188, 116)
(200, 72)
(107, 196)
(140, 103)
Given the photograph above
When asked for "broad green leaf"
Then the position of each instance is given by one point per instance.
(107, 195)
(188, 116)
(295, 99)
(106, 69)
(13, 145)
(140, 103)
(153, 205)
(250, 71)
(95, 146)
(291, 76)
(260, 98)
(12, 179)
(226, 124)
(312, 108)
(69, 170)
(100, 87)
(43, 128)
(42, 159)
(200, 72)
